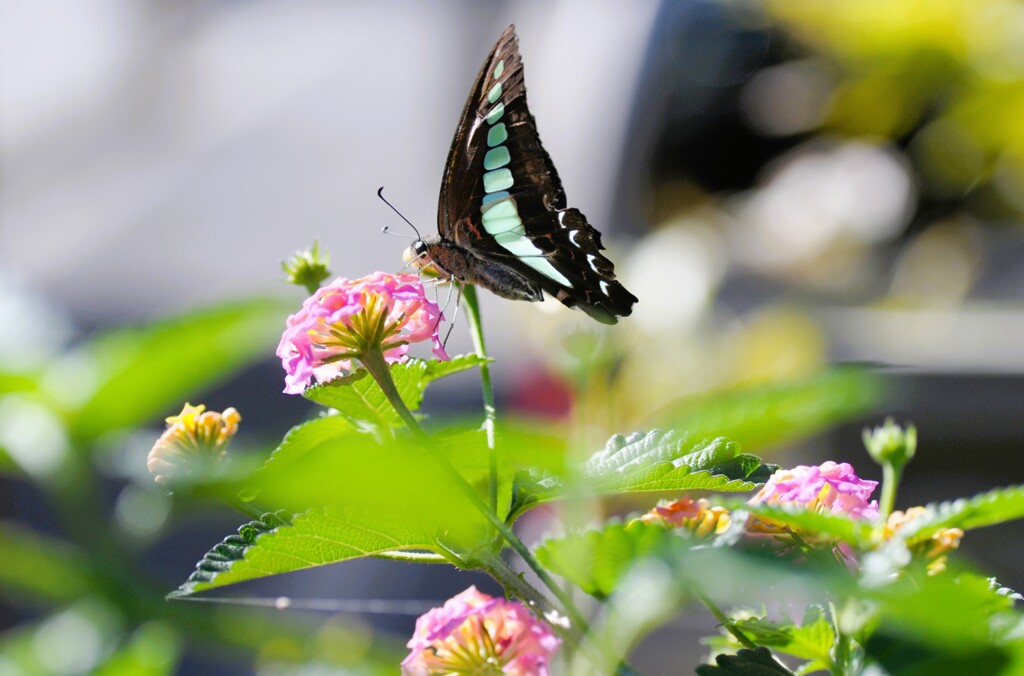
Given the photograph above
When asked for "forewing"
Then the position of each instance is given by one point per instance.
(502, 201)
(462, 187)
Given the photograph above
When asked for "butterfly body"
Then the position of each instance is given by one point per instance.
(461, 264)
(503, 222)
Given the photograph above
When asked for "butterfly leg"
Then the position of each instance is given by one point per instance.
(458, 304)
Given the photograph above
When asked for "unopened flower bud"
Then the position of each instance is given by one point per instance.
(307, 268)
(890, 444)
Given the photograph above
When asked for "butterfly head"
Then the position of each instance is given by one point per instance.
(418, 252)
(419, 255)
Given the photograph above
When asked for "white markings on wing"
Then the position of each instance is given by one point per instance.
(502, 221)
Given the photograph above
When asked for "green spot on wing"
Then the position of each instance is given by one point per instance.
(497, 135)
(504, 226)
(499, 179)
(496, 113)
(501, 209)
(502, 217)
(496, 157)
(495, 93)
(499, 69)
(494, 197)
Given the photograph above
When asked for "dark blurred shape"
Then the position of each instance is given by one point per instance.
(686, 125)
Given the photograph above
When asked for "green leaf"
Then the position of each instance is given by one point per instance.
(280, 544)
(987, 509)
(39, 568)
(900, 654)
(1004, 591)
(813, 640)
(762, 415)
(756, 662)
(669, 461)
(365, 495)
(360, 401)
(655, 461)
(596, 560)
(223, 557)
(324, 462)
(373, 495)
(517, 445)
(437, 369)
(824, 525)
(358, 398)
(304, 439)
(952, 613)
(129, 377)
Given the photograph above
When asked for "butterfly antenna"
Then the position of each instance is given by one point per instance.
(386, 231)
(380, 194)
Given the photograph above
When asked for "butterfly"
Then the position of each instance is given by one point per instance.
(502, 218)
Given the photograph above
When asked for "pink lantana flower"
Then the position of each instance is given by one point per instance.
(831, 487)
(828, 488)
(348, 317)
(478, 634)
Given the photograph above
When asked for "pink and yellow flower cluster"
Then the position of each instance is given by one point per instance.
(474, 633)
(698, 517)
(934, 550)
(195, 440)
(348, 317)
(830, 487)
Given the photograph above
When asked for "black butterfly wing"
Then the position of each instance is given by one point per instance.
(501, 199)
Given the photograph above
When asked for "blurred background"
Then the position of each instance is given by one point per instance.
(785, 185)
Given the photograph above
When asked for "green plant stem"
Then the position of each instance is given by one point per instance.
(890, 480)
(499, 569)
(374, 363)
(244, 508)
(476, 332)
(724, 620)
(841, 654)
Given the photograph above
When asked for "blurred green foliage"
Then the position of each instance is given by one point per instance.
(98, 609)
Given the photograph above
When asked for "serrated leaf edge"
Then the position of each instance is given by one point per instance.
(224, 554)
